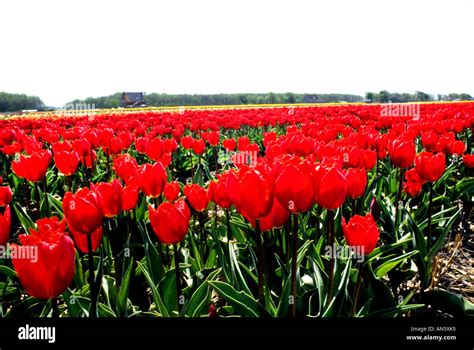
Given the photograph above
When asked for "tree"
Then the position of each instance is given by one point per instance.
(384, 96)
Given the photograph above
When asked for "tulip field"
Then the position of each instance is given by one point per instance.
(279, 211)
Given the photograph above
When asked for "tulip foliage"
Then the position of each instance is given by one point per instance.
(322, 211)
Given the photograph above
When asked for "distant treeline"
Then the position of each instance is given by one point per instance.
(154, 99)
(385, 97)
(18, 102)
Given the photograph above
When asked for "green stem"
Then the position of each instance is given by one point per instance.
(293, 264)
(399, 197)
(318, 217)
(177, 275)
(287, 241)
(38, 199)
(229, 229)
(260, 261)
(357, 290)
(430, 214)
(93, 306)
(455, 180)
(46, 199)
(331, 242)
(107, 159)
(54, 305)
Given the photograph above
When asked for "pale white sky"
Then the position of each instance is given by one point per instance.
(61, 50)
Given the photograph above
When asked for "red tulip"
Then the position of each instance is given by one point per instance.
(129, 198)
(413, 176)
(126, 167)
(171, 191)
(152, 179)
(430, 167)
(51, 273)
(269, 137)
(197, 197)
(199, 146)
(361, 232)
(5, 225)
(34, 167)
(402, 152)
(83, 210)
(154, 149)
(170, 221)
(243, 143)
(277, 217)
(63, 146)
(12, 149)
(411, 188)
(456, 147)
(331, 187)
(111, 194)
(66, 162)
(82, 147)
(81, 239)
(430, 141)
(211, 137)
(5, 196)
(356, 182)
(369, 159)
(468, 160)
(116, 145)
(88, 161)
(104, 136)
(251, 191)
(140, 144)
(170, 145)
(294, 186)
(218, 192)
(166, 159)
(229, 144)
(187, 142)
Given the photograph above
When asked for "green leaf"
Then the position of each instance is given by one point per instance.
(167, 288)
(23, 217)
(395, 311)
(154, 291)
(46, 309)
(57, 205)
(342, 286)
(8, 272)
(79, 274)
(318, 282)
(237, 273)
(449, 302)
(201, 298)
(383, 269)
(121, 307)
(377, 252)
(152, 256)
(77, 305)
(418, 236)
(302, 251)
(195, 250)
(386, 216)
(244, 304)
(105, 311)
(283, 305)
(440, 241)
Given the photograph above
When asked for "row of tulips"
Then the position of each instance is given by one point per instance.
(330, 211)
